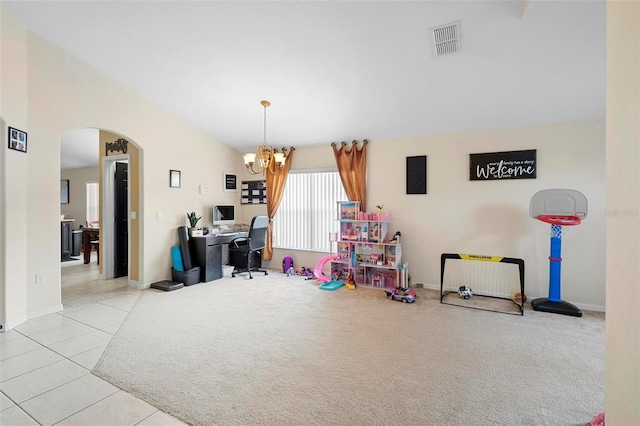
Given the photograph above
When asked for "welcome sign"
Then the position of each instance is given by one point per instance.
(503, 165)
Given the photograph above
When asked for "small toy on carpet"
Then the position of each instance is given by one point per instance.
(465, 292)
(287, 263)
(598, 420)
(401, 295)
(520, 298)
(351, 284)
(307, 272)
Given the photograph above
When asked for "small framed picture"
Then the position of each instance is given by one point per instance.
(230, 181)
(64, 191)
(174, 178)
(17, 140)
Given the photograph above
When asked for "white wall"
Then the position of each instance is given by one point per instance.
(14, 166)
(455, 216)
(54, 92)
(488, 217)
(623, 213)
(47, 92)
(491, 217)
(77, 207)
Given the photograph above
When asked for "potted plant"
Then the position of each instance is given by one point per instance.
(193, 221)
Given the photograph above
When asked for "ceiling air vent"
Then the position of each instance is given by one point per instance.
(446, 38)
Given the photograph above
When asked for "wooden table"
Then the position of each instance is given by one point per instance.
(87, 234)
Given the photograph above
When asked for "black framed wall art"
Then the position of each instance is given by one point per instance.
(503, 165)
(417, 174)
(254, 192)
(17, 140)
(230, 181)
(174, 178)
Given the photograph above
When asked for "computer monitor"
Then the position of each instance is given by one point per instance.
(224, 215)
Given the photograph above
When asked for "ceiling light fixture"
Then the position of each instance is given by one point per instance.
(264, 154)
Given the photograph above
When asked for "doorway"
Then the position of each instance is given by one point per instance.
(116, 205)
(121, 223)
(87, 149)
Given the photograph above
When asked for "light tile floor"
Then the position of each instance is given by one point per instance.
(46, 363)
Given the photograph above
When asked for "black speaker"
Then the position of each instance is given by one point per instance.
(417, 174)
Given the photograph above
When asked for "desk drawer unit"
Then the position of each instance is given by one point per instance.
(208, 255)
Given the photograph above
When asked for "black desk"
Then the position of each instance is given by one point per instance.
(209, 252)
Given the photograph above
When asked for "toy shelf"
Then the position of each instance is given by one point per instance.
(365, 251)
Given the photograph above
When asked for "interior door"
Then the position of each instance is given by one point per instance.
(121, 224)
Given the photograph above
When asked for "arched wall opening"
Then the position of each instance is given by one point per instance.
(108, 146)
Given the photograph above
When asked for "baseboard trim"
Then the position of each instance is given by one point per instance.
(13, 323)
(32, 315)
(42, 312)
(594, 308)
(137, 285)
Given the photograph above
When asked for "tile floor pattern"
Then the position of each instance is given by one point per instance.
(46, 363)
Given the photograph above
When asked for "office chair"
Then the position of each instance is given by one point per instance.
(245, 253)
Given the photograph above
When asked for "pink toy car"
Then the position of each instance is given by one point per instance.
(402, 295)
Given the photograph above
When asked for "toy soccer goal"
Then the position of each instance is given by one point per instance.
(497, 283)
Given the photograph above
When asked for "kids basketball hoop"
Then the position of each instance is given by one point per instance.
(557, 207)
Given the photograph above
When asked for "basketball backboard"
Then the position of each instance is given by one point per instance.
(558, 202)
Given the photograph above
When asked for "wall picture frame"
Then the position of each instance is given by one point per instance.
(417, 174)
(64, 191)
(254, 192)
(17, 140)
(174, 178)
(229, 182)
(503, 165)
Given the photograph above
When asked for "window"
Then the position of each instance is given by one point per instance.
(307, 212)
(93, 201)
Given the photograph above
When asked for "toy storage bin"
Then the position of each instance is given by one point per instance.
(189, 277)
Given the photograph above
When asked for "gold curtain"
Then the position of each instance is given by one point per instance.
(275, 189)
(352, 166)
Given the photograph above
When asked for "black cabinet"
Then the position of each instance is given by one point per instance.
(65, 240)
(207, 253)
(77, 242)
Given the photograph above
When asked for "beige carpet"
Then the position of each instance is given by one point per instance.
(276, 350)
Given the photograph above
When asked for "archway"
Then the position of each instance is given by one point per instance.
(99, 147)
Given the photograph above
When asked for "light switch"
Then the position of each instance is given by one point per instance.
(158, 214)
(205, 189)
(133, 215)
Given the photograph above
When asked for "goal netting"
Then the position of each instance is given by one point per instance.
(497, 283)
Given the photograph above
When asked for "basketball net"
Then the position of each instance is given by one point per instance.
(557, 231)
(559, 224)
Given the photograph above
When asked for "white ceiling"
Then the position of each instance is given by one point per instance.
(338, 71)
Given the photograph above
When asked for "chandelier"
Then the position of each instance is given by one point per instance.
(264, 154)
